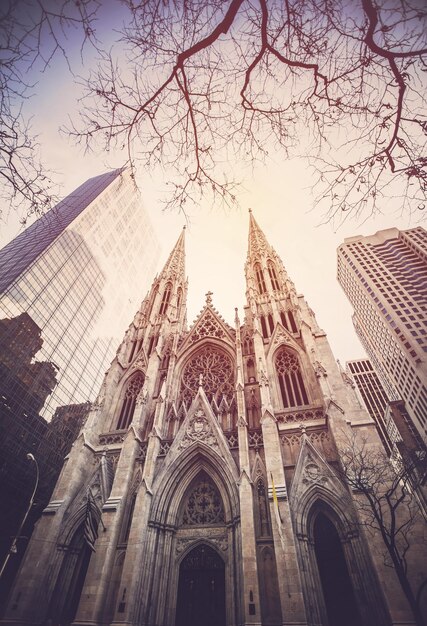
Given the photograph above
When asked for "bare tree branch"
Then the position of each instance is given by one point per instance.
(31, 35)
(390, 502)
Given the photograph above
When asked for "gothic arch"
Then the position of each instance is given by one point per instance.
(178, 476)
(337, 507)
(335, 504)
(172, 539)
(124, 407)
(218, 363)
(290, 377)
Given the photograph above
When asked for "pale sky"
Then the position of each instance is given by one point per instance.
(279, 195)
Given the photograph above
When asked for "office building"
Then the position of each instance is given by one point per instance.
(25, 383)
(385, 278)
(78, 272)
(373, 395)
(205, 486)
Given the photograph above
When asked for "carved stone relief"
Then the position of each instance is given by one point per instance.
(198, 429)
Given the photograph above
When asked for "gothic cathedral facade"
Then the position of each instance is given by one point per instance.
(204, 488)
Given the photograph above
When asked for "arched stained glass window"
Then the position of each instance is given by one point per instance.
(217, 371)
(133, 388)
(290, 379)
(260, 278)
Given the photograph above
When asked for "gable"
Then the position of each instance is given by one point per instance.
(209, 325)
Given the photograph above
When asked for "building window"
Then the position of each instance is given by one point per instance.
(290, 379)
(165, 300)
(129, 400)
(264, 327)
(260, 278)
(273, 276)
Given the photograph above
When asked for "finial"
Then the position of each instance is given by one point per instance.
(201, 381)
(250, 210)
(209, 297)
(303, 430)
(184, 227)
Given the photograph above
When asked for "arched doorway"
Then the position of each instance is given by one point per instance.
(68, 589)
(201, 589)
(340, 601)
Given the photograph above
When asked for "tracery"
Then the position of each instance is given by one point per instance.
(213, 368)
(203, 504)
(290, 379)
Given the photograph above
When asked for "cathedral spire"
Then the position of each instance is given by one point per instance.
(174, 268)
(270, 294)
(258, 245)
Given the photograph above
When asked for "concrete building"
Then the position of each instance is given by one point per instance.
(205, 487)
(385, 278)
(374, 397)
(75, 272)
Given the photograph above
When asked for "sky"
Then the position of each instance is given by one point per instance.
(278, 192)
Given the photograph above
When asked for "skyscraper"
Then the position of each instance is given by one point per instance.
(373, 396)
(210, 465)
(385, 279)
(77, 272)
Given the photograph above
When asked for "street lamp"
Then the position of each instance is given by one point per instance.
(13, 547)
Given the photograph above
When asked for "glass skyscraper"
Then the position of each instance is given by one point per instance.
(80, 271)
(385, 279)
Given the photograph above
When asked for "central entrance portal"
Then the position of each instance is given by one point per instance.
(201, 589)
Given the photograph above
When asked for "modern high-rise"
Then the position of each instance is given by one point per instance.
(385, 278)
(206, 487)
(78, 272)
(373, 395)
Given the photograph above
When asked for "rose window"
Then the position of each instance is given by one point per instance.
(211, 367)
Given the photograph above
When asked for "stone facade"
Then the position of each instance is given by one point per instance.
(211, 466)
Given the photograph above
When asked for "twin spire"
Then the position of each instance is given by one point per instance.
(258, 248)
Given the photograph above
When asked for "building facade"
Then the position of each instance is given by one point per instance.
(385, 278)
(74, 273)
(374, 398)
(205, 487)
(25, 384)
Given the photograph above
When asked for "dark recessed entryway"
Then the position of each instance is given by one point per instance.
(201, 589)
(340, 601)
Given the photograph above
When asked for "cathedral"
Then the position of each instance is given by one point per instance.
(204, 489)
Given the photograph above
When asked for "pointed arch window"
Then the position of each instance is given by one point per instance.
(166, 298)
(284, 320)
(264, 327)
(203, 504)
(178, 298)
(290, 378)
(127, 410)
(292, 321)
(273, 276)
(263, 512)
(260, 278)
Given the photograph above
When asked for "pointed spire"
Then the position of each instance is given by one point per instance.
(258, 244)
(175, 265)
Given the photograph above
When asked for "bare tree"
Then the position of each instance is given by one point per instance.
(391, 503)
(197, 85)
(32, 33)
